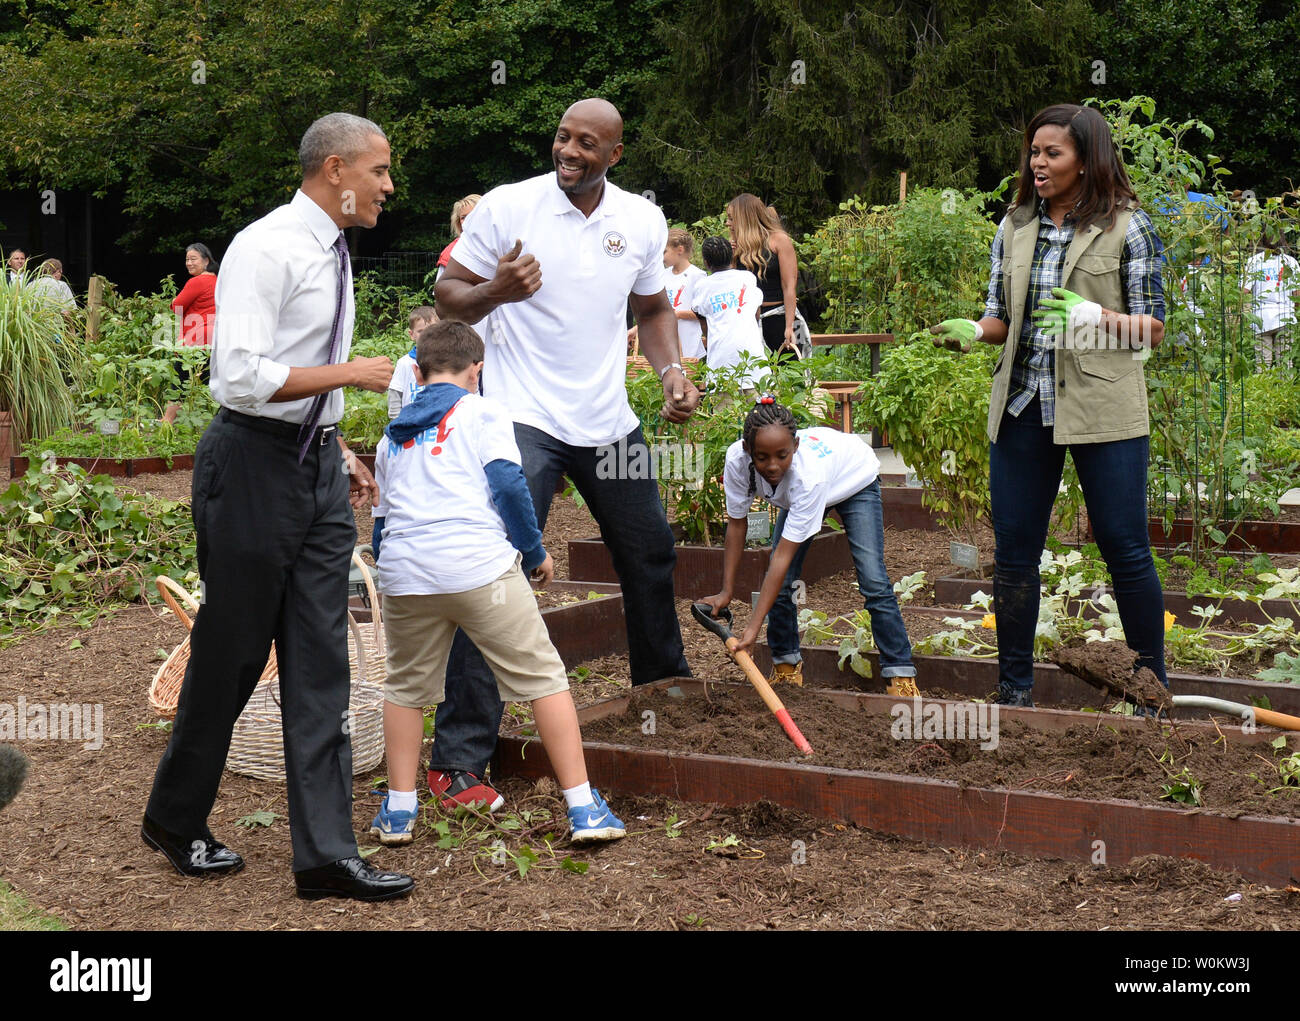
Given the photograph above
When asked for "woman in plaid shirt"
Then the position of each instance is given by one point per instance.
(1075, 295)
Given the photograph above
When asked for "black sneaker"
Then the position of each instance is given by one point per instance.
(1019, 697)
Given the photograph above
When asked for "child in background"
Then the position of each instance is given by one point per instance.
(401, 392)
(405, 384)
(681, 277)
(461, 534)
(728, 301)
(808, 472)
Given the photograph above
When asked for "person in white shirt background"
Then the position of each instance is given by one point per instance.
(402, 390)
(275, 532)
(50, 284)
(1272, 279)
(556, 260)
(727, 301)
(681, 277)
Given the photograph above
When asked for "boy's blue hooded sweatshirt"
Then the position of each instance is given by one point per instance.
(505, 479)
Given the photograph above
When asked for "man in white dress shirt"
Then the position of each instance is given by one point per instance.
(275, 532)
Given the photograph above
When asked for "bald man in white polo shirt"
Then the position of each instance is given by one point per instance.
(556, 260)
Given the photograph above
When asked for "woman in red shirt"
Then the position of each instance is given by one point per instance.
(195, 307)
(196, 304)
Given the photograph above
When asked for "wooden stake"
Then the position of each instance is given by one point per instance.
(94, 302)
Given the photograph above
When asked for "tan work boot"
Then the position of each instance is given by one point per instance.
(791, 672)
(902, 687)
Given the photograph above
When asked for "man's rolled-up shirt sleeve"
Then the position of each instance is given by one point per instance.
(249, 295)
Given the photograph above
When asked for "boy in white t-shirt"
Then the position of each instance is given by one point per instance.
(681, 276)
(808, 472)
(401, 392)
(460, 535)
(728, 301)
(406, 383)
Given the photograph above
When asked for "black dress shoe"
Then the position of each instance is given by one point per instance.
(204, 855)
(352, 877)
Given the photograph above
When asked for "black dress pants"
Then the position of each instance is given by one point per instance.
(275, 539)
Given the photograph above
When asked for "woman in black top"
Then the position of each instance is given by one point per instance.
(763, 248)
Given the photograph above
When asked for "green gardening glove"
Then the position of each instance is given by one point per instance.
(957, 334)
(1066, 312)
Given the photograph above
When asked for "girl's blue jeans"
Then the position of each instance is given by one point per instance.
(864, 525)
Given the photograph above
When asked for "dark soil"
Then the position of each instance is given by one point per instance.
(1109, 667)
(1086, 761)
(70, 842)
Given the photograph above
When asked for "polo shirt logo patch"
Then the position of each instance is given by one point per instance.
(614, 244)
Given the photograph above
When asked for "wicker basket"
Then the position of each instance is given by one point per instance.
(257, 744)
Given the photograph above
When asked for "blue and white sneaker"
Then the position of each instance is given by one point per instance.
(394, 827)
(595, 821)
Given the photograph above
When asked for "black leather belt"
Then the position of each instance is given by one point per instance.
(276, 427)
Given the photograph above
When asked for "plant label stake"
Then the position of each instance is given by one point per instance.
(721, 626)
(964, 555)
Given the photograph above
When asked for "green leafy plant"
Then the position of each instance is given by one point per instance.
(39, 355)
(150, 437)
(74, 545)
(934, 405)
(1182, 787)
(690, 456)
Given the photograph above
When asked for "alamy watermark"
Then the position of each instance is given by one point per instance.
(54, 721)
(676, 462)
(945, 721)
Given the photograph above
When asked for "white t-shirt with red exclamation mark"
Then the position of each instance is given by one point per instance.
(681, 290)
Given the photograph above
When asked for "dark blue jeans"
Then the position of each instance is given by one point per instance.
(1024, 478)
(864, 525)
(635, 529)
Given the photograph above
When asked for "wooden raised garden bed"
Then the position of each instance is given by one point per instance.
(1263, 536)
(903, 508)
(117, 467)
(931, 798)
(699, 568)
(978, 678)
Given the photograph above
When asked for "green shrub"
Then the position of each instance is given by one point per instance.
(699, 445)
(148, 438)
(935, 405)
(73, 545)
(39, 370)
(900, 268)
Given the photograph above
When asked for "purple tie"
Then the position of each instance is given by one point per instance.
(313, 416)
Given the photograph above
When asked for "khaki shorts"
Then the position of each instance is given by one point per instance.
(501, 618)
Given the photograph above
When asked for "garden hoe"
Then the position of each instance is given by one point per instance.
(721, 626)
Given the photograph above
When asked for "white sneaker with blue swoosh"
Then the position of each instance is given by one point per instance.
(595, 821)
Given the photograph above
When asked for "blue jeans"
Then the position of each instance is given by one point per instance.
(865, 527)
(1024, 478)
(636, 532)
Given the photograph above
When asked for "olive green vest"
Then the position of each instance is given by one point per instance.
(1101, 391)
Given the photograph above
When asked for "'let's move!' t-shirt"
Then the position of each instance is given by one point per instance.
(442, 532)
(828, 468)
